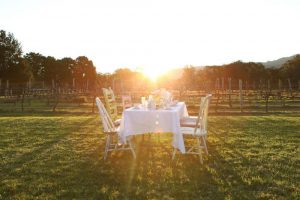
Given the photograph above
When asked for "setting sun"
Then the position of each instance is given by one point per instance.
(153, 73)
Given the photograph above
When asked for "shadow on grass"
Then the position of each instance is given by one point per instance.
(27, 157)
(153, 175)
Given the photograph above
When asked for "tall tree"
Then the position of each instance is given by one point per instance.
(124, 77)
(50, 70)
(20, 72)
(291, 69)
(37, 64)
(84, 72)
(66, 70)
(189, 77)
(10, 52)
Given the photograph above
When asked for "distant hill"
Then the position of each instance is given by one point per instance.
(277, 63)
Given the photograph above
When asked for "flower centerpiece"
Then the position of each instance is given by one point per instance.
(162, 97)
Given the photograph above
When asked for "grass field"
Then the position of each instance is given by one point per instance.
(59, 156)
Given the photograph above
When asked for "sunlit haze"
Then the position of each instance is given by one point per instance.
(155, 35)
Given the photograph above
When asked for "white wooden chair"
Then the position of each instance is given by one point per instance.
(126, 101)
(111, 105)
(112, 132)
(196, 130)
(190, 121)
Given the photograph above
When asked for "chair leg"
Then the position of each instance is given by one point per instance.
(132, 150)
(132, 144)
(204, 143)
(199, 149)
(112, 140)
(174, 153)
(106, 147)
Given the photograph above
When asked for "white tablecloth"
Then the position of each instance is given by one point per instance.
(138, 121)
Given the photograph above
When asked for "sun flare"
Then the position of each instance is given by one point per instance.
(153, 73)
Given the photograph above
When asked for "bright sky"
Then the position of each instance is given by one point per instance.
(155, 35)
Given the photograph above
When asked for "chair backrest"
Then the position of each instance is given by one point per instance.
(110, 102)
(201, 124)
(108, 125)
(109, 94)
(126, 101)
(208, 99)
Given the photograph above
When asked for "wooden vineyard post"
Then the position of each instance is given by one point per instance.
(246, 93)
(223, 93)
(279, 85)
(241, 94)
(298, 85)
(260, 89)
(28, 92)
(267, 101)
(93, 108)
(255, 94)
(267, 95)
(53, 86)
(48, 99)
(290, 87)
(223, 83)
(87, 85)
(291, 90)
(7, 88)
(56, 101)
(73, 85)
(280, 92)
(22, 100)
(29, 84)
(229, 92)
(217, 87)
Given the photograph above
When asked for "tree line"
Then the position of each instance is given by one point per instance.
(254, 74)
(81, 73)
(34, 67)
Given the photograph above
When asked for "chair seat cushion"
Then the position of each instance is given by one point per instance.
(188, 121)
(190, 131)
(117, 122)
(115, 130)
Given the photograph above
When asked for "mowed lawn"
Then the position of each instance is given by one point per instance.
(59, 156)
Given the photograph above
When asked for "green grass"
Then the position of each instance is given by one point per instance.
(59, 156)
